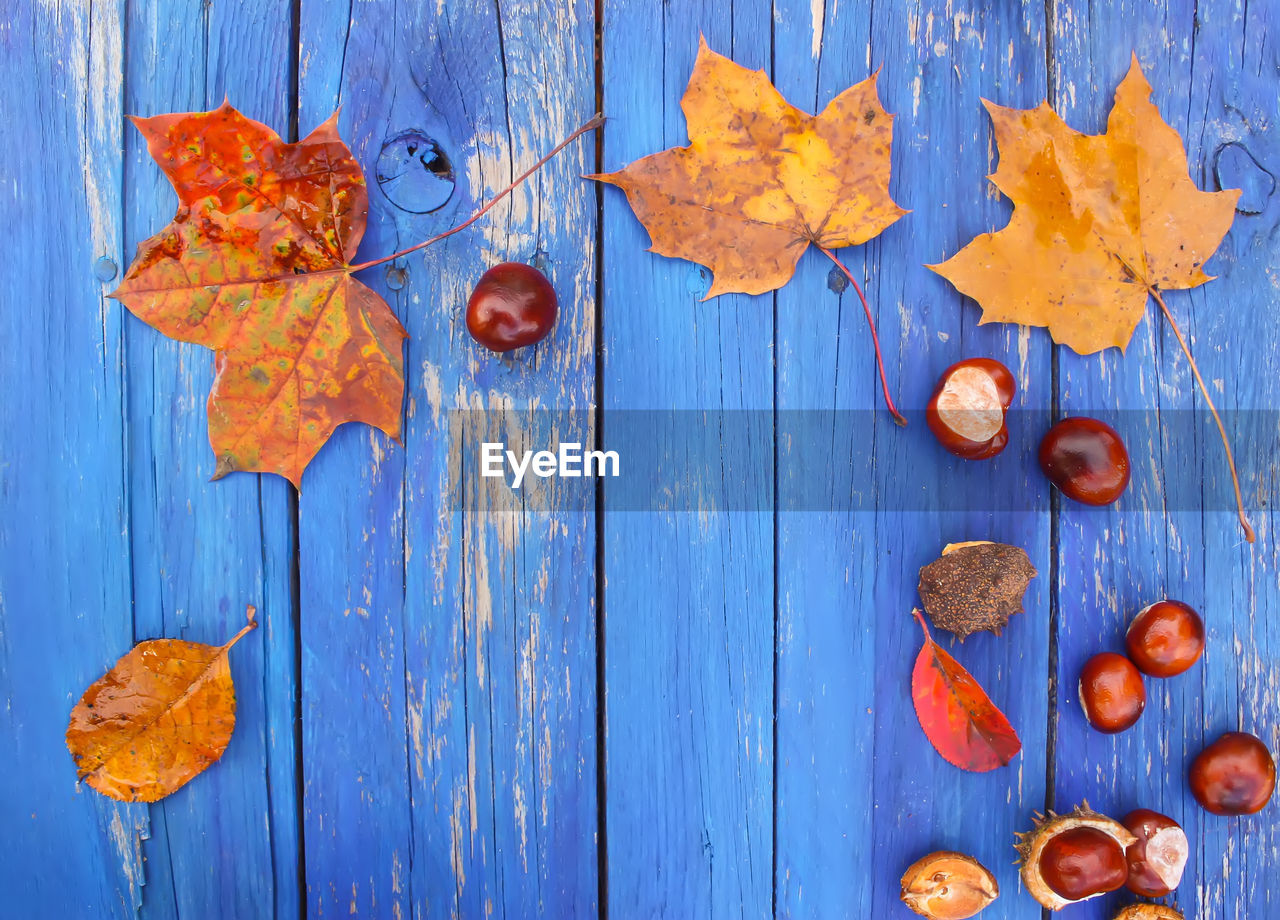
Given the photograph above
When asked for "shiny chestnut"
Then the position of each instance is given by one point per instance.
(1086, 460)
(1082, 863)
(1073, 857)
(513, 304)
(1165, 638)
(1158, 856)
(967, 411)
(1111, 692)
(1233, 776)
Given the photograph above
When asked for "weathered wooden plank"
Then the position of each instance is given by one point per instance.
(356, 806)
(64, 563)
(688, 601)
(1213, 69)
(451, 772)
(858, 785)
(201, 551)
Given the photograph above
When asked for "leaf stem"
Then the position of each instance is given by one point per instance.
(875, 339)
(928, 638)
(1222, 432)
(594, 122)
(251, 612)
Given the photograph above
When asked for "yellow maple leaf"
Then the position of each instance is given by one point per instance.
(761, 179)
(1099, 222)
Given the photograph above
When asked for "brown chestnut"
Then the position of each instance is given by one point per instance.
(513, 305)
(967, 411)
(1082, 863)
(1233, 776)
(1165, 638)
(1073, 857)
(1159, 855)
(1086, 460)
(1111, 692)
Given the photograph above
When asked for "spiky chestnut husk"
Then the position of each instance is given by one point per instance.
(948, 886)
(1032, 843)
(975, 586)
(1149, 912)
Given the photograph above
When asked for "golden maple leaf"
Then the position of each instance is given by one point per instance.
(761, 179)
(1099, 222)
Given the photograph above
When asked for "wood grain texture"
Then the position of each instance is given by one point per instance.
(357, 810)
(688, 600)
(449, 673)
(200, 552)
(64, 543)
(761, 757)
(1213, 68)
(857, 785)
(123, 516)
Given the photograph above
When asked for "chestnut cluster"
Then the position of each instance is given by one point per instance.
(1065, 859)
(1071, 858)
(1083, 457)
(1236, 775)
(1082, 855)
(1165, 639)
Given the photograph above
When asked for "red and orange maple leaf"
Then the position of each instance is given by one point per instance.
(257, 266)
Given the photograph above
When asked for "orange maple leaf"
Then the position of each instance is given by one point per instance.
(1099, 222)
(760, 179)
(256, 266)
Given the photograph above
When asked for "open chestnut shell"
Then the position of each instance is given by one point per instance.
(1074, 857)
(1149, 912)
(948, 886)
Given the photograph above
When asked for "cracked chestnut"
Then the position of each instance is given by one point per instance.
(967, 411)
(1159, 855)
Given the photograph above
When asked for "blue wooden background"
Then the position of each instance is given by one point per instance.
(464, 706)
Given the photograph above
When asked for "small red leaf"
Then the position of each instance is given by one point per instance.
(956, 714)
